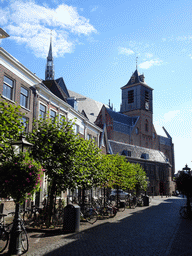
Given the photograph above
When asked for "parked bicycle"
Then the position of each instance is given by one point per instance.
(5, 231)
(89, 214)
(4, 235)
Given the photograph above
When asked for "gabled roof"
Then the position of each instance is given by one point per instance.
(90, 107)
(121, 118)
(138, 79)
(61, 83)
(53, 86)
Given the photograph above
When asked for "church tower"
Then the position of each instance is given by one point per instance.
(137, 101)
(49, 71)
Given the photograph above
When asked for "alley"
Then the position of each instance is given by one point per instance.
(143, 231)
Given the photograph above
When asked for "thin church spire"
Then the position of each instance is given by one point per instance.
(49, 71)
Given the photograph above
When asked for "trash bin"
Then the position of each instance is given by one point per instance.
(146, 200)
(71, 220)
(122, 204)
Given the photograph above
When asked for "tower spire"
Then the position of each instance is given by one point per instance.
(49, 71)
(136, 62)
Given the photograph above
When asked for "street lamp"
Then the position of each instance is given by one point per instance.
(15, 246)
(186, 168)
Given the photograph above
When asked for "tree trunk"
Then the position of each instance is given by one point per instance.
(51, 205)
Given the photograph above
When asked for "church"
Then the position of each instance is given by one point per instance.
(131, 132)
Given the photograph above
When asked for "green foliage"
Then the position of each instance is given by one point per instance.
(117, 172)
(54, 147)
(10, 127)
(141, 179)
(20, 176)
(184, 183)
(87, 164)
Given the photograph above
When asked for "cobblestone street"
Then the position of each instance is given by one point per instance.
(150, 231)
(142, 231)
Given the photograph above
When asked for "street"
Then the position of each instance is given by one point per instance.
(154, 230)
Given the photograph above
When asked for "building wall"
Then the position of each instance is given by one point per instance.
(18, 83)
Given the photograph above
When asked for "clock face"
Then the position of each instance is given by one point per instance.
(147, 105)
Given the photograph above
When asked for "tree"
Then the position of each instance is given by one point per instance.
(21, 176)
(10, 128)
(87, 165)
(55, 145)
(184, 185)
(141, 179)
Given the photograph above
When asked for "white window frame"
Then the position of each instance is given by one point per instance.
(9, 86)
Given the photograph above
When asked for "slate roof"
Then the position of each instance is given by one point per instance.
(136, 81)
(61, 83)
(54, 87)
(136, 151)
(121, 118)
(90, 107)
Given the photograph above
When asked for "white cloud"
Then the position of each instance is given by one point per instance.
(31, 23)
(150, 63)
(126, 51)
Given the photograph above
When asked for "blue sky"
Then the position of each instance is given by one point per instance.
(95, 45)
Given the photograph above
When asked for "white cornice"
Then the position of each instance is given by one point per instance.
(17, 68)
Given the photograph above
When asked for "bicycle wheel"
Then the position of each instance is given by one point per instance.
(24, 240)
(4, 239)
(90, 215)
(183, 212)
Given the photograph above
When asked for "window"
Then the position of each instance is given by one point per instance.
(89, 136)
(76, 128)
(25, 122)
(53, 115)
(145, 156)
(42, 111)
(24, 97)
(130, 96)
(146, 96)
(8, 88)
(126, 152)
(146, 125)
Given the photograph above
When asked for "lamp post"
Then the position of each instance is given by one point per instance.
(187, 169)
(15, 246)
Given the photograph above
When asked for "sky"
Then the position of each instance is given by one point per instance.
(95, 46)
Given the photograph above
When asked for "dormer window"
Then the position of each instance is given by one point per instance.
(126, 152)
(133, 79)
(142, 78)
(145, 156)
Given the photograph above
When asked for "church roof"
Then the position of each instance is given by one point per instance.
(54, 87)
(138, 152)
(136, 78)
(88, 106)
(50, 56)
(62, 85)
(121, 118)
